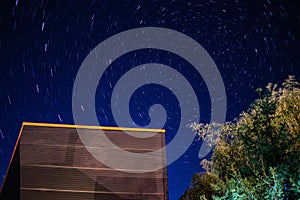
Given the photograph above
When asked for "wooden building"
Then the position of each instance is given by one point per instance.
(51, 162)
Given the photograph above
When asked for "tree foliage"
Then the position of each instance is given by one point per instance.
(258, 155)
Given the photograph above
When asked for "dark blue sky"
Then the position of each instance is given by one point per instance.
(44, 42)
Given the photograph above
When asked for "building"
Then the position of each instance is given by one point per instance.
(51, 162)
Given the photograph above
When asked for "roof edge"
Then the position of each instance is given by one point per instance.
(107, 128)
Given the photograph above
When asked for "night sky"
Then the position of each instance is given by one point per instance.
(44, 42)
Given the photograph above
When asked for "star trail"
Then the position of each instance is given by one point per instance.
(43, 43)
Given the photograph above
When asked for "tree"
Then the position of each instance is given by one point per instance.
(258, 155)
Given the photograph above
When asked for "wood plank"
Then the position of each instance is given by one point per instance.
(77, 156)
(61, 195)
(52, 135)
(89, 180)
(158, 174)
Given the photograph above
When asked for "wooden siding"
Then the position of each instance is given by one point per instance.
(54, 164)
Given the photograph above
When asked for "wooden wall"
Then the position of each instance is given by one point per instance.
(54, 164)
